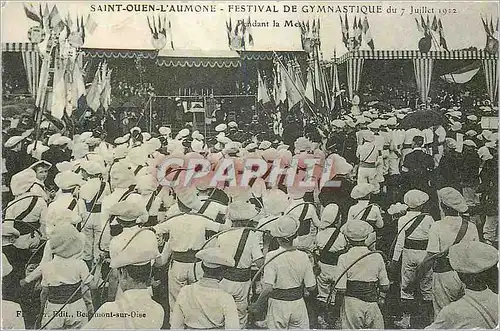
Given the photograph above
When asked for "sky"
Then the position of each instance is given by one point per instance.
(207, 31)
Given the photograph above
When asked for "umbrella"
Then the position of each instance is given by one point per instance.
(423, 119)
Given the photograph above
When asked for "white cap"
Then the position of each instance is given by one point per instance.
(221, 127)
(265, 145)
(452, 198)
(470, 143)
(164, 131)
(130, 209)
(241, 210)
(133, 248)
(92, 167)
(68, 179)
(329, 215)
(357, 230)
(215, 257)
(472, 257)
(183, 133)
(415, 198)
(275, 201)
(361, 190)
(284, 227)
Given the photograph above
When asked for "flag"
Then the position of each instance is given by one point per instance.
(335, 85)
(424, 26)
(360, 29)
(344, 31)
(292, 93)
(434, 26)
(309, 92)
(346, 27)
(282, 94)
(486, 28)
(106, 92)
(462, 75)
(55, 20)
(94, 92)
(276, 89)
(419, 27)
(368, 34)
(249, 33)
(229, 28)
(169, 31)
(78, 88)
(90, 24)
(31, 14)
(442, 40)
(262, 94)
(58, 103)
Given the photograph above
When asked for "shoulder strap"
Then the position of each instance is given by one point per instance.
(127, 193)
(370, 154)
(271, 220)
(150, 201)
(367, 211)
(461, 232)
(72, 205)
(482, 310)
(204, 207)
(98, 195)
(241, 247)
(304, 212)
(28, 210)
(417, 220)
(363, 211)
(332, 239)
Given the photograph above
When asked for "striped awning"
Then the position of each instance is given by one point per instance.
(19, 47)
(413, 54)
(120, 53)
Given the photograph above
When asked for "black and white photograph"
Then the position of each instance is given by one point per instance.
(249, 165)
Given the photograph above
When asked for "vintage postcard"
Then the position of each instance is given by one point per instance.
(258, 165)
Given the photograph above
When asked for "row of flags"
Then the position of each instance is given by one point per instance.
(240, 36)
(433, 33)
(353, 37)
(310, 35)
(161, 32)
(61, 38)
(488, 27)
(316, 93)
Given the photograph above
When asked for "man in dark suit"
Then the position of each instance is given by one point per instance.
(418, 166)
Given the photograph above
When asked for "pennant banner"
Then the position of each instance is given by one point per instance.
(354, 69)
(423, 74)
(31, 61)
(490, 68)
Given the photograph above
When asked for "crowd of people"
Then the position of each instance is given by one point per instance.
(402, 234)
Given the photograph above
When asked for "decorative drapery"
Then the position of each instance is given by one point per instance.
(354, 69)
(31, 61)
(423, 74)
(490, 69)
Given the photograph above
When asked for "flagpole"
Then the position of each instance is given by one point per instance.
(286, 72)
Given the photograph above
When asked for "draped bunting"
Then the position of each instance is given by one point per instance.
(31, 61)
(354, 68)
(423, 75)
(490, 69)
